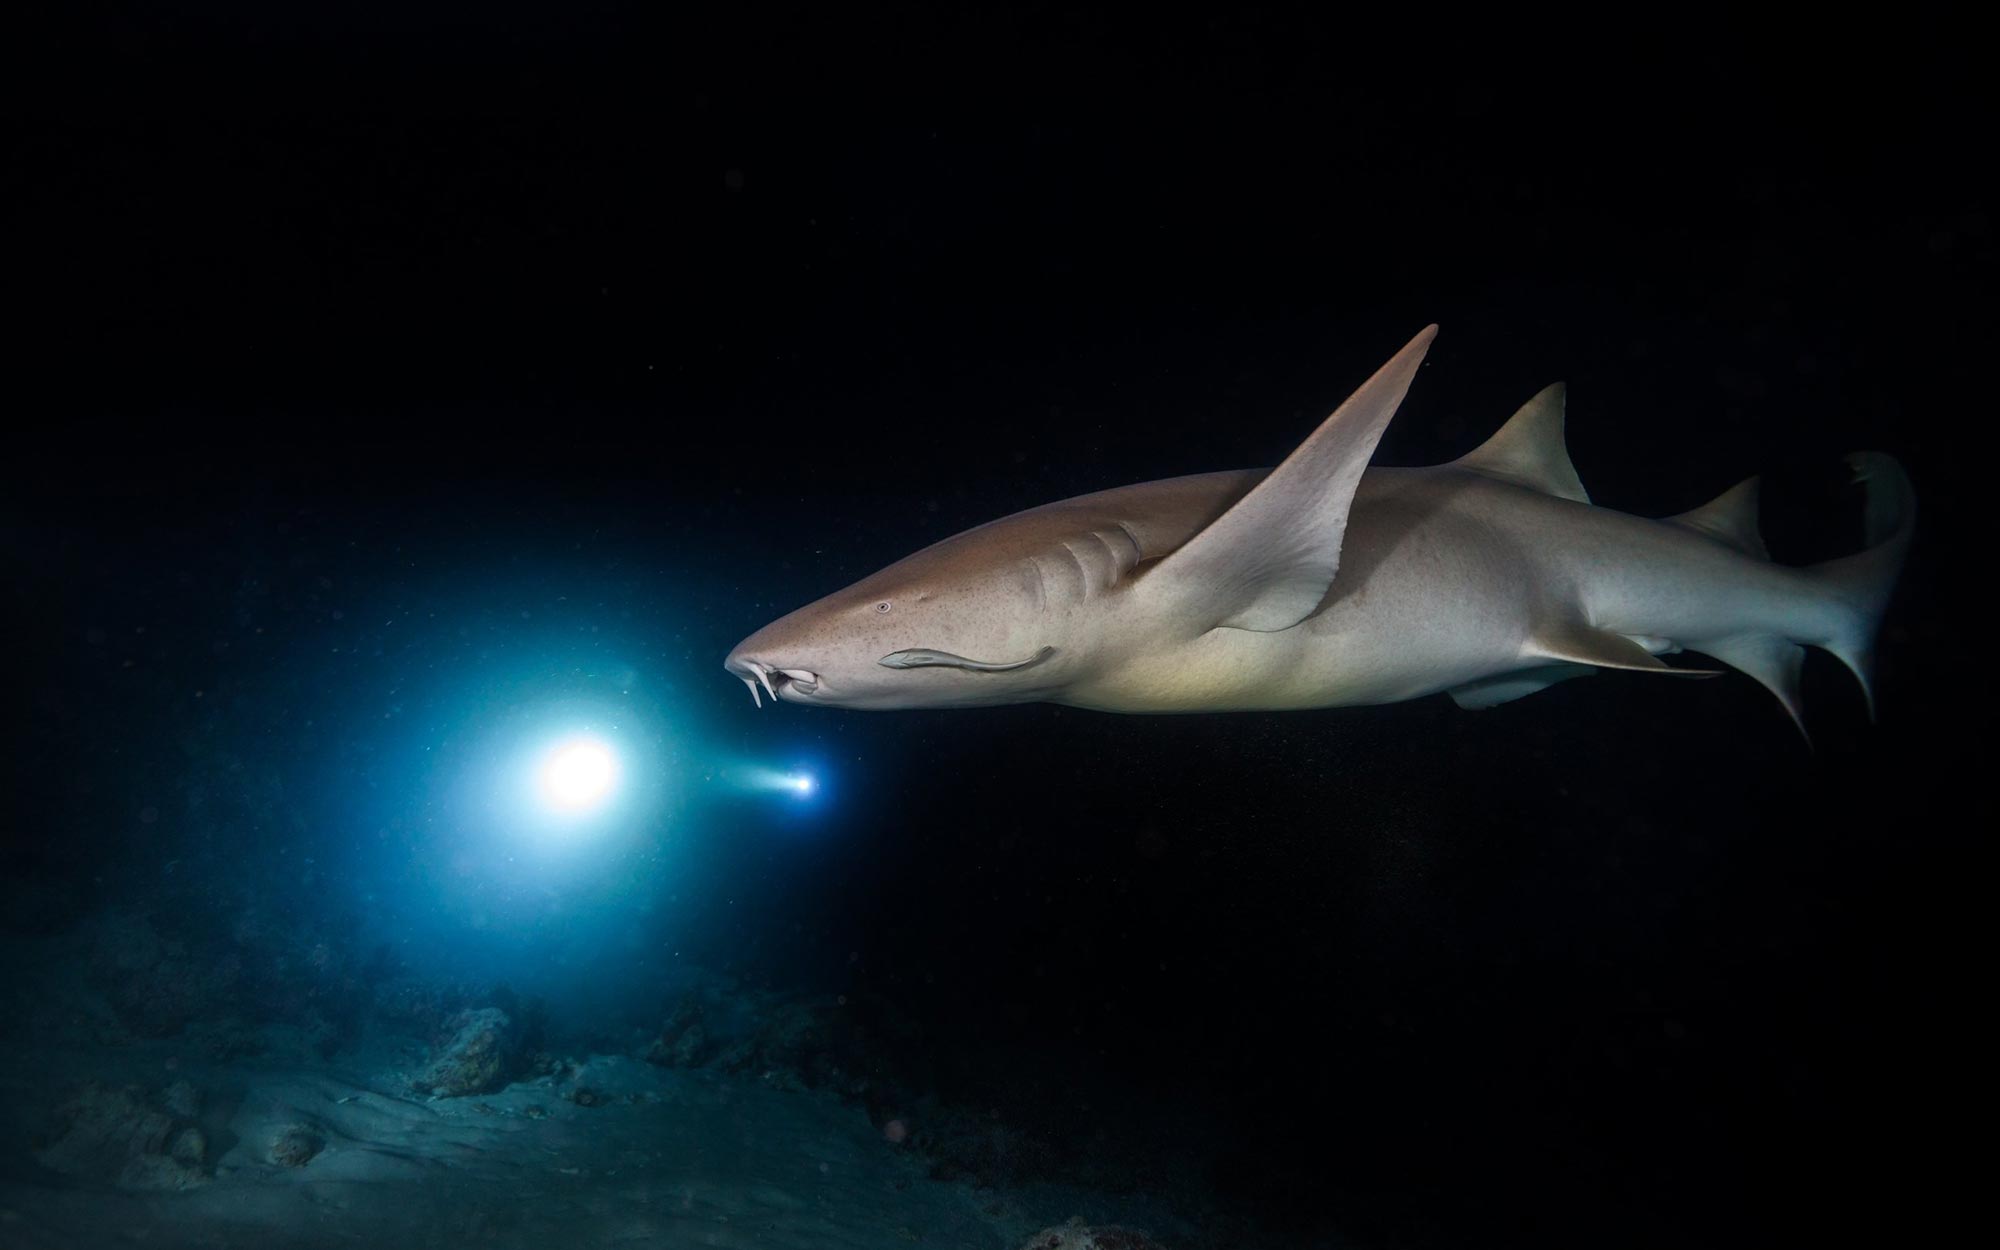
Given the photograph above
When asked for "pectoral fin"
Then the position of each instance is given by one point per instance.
(1493, 691)
(1267, 562)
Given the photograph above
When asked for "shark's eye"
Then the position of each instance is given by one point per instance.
(882, 606)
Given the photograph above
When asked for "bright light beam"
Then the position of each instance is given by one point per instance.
(756, 777)
(577, 776)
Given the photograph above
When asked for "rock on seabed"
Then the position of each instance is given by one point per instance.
(474, 1057)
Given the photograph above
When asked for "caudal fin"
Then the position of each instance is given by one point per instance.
(1860, 584)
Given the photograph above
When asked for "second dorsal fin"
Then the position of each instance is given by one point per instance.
(1729, 518)
(1529, 451)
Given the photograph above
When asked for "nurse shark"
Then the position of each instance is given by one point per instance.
(1328, 583)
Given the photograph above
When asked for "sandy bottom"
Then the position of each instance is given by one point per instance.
(663, 1157)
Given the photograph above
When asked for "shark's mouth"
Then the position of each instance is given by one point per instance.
(800, 684)
(924, 658)
(773, 680)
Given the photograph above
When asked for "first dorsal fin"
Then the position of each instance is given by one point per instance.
(1528, 450)
(1730, 518)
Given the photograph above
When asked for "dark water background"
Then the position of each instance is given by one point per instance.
(375, 371)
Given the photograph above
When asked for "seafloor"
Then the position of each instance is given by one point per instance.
(165, 1100)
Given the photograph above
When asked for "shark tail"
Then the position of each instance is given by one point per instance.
(1843, 600)
(1859, 585)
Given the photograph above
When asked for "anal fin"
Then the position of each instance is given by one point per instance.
(1600, 648)
(1773, 662)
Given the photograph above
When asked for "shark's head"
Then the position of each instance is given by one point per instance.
(965, 623)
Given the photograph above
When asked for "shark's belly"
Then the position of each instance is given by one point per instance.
(1371, 662)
